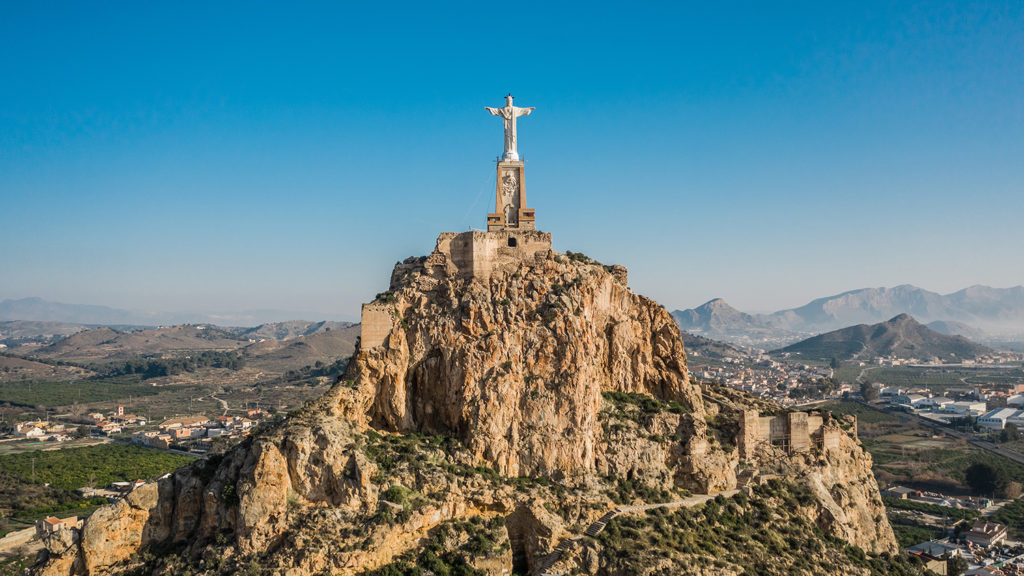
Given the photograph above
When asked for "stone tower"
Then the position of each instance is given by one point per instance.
(511, 239)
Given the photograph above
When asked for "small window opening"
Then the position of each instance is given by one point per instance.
(511, 242)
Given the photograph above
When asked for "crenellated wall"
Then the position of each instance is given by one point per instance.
(473, 255)
(794, 432)
(479, 254)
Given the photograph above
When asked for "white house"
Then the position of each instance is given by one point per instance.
(986, 534)
(29, 430)
(915, 400)
(996, 419)
(967, 408)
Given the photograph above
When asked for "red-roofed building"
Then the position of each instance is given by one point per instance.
(51, 524)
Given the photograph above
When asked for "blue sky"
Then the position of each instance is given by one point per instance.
(225, 156)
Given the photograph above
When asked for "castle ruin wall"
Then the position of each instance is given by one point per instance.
(793, 432)
(377, 322)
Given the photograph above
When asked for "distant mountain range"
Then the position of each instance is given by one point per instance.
(291, 329)
(901, 337)
(718, 320)
(145, 340)
(954, 328)
(37, 309)
(978, 312)
(272, 348)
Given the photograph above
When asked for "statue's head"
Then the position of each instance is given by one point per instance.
(508, 99)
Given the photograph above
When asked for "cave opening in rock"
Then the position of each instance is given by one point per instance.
(517, 540)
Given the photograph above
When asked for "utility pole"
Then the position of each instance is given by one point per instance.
(33, 469)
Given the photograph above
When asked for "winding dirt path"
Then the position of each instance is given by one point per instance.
(597, 527)
(223, 404)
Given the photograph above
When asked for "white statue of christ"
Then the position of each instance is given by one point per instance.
(510, 113)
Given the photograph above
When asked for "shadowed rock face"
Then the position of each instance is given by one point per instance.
(509, 373)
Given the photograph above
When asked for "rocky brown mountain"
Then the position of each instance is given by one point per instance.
(495, 411)
(901, 336)
(103, 344)
(292, 329)
(717, 320)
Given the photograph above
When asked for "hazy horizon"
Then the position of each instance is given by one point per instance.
(238, 157)
(232, 316)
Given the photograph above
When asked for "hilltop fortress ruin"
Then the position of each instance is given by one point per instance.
(503, 404)
(511, 235)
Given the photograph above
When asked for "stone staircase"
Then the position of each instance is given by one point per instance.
(592, 531)
(555, 555)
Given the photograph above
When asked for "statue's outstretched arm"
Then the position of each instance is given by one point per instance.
(525, 111)
(493, 111)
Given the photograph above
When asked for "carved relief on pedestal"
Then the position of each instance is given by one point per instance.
(510, 197)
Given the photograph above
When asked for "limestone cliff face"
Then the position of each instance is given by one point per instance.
(849, 504)
(515, 366)
(497, 411)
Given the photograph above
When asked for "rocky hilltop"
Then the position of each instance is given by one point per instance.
(716, 319)
(901, 336)
(505, 404)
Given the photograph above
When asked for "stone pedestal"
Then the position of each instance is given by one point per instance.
(510, 211)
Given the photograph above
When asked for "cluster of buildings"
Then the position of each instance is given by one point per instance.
(114, 422)
(43, 430)
(779, 382)
(193, 433)
(196, 432)
(995, 358)
(1005, 407)
(993, 409)
(998, 419)
(936, 498)
(984, 548)
(921, 399)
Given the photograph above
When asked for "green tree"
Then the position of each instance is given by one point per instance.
(956, 566)
(868, 391)
(986, 479)
(1009, 433)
